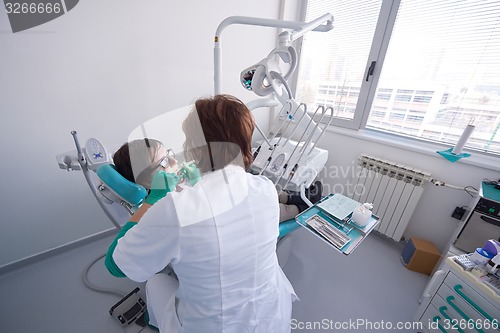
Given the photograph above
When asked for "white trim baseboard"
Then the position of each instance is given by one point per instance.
(7, 268)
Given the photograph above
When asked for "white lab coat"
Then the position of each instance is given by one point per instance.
(220, 238)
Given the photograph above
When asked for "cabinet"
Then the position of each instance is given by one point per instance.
(456, 301)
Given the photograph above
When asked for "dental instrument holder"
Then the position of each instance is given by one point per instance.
(279, 158)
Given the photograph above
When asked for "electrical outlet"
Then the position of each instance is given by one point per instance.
(458, 213)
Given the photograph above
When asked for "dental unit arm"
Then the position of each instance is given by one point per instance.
(117, 196)
(323, 23)
(109, 187)
(291, 165)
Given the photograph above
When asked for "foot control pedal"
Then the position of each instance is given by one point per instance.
(128, 309)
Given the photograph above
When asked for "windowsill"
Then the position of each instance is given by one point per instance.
(417, 146)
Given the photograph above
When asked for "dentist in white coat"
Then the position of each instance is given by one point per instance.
(219, 236)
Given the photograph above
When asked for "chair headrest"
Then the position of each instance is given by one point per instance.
(125, 189)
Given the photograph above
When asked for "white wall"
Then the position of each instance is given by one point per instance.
(102, 69)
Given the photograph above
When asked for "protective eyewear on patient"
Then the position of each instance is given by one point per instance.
(166, 161)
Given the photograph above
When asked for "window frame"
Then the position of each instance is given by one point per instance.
(380, 43)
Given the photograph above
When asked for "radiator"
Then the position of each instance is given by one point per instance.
(393, 188)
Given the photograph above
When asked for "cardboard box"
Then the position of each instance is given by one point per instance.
(420, 255)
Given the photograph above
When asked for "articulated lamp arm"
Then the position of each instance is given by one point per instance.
(323, 23)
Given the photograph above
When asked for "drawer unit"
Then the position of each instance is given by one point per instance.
(463, 309)
(467, 293)
(454, 301)
(434, 319)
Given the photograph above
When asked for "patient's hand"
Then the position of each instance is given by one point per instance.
(162, 183)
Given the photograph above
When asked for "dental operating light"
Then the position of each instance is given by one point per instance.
(323, 24)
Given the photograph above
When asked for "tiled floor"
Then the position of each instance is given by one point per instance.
(357, 293)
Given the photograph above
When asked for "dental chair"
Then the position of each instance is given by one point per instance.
(111, 188)
(115, 188)
(131, 195)
(118, 197)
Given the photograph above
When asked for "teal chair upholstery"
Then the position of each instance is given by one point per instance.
(134, 194)
(288, 226)
(131, 192)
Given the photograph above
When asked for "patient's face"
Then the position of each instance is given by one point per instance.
(173, 166)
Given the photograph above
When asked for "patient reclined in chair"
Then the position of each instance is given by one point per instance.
(129, 179)
(139, 160)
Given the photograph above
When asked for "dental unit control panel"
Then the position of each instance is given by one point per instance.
(94, 154)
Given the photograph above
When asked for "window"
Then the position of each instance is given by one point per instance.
(403, 98)
(439, 61)
(422, 99)
(384, 96)
(414, 119)
(337, 58)
(397, 116)
(378, 113)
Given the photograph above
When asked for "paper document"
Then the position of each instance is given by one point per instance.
(339, 206)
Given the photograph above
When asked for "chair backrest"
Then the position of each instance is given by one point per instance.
(126, 190)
